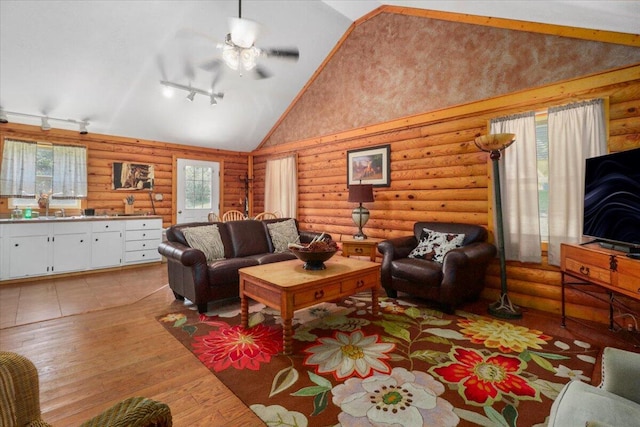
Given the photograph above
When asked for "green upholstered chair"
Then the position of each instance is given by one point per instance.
(20, 401)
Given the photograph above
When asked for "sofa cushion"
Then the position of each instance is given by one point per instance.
(226, 270)
(248, 237)
(282, 233)
(207, 239)
(268, 258)
(434, 245)
(579, 403)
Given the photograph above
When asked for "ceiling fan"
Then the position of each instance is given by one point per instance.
(239, 51)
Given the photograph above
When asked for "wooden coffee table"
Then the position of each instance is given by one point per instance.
(287, 287)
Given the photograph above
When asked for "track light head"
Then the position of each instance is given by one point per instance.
(191, 95)
(45, 124)
(3, 117)
(213, 100)
(83, 128)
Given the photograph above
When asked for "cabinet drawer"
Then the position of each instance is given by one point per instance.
(99, 226)
(143, 235)
(589, 272)
(27, 230)
(74, 227)
(312, 296)
(353, 285)
(141, 245)
(143, 224)
(142, 256)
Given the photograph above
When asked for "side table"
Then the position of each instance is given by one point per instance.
(367, 247)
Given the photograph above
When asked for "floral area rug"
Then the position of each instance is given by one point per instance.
(409, 366)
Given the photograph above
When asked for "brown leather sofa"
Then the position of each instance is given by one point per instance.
(459, 279)
(246, 243)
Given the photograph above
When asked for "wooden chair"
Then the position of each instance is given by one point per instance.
(20, 401)
(213, 217)
(233, 215)
(265, 215)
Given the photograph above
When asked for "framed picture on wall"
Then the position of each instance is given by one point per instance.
(132, 176)
(369, 166)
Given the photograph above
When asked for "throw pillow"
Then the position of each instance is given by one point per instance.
(207, 239)
(282, 233)
(434, 245)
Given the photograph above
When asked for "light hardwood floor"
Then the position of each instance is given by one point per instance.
(95, 341)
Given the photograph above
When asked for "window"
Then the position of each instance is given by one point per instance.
(542, 157)
(198, 189)
(30, 170)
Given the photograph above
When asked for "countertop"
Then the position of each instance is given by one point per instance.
(75, 218)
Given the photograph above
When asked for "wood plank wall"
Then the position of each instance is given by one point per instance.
(437, 174)
(103, 150)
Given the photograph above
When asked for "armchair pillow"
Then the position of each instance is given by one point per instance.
(282, 233)
(207, 239)
(434, 245)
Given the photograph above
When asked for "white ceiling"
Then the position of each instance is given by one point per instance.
(102, 61)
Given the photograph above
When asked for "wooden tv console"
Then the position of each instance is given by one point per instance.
(591, 264)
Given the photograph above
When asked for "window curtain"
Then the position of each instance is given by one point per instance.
(519, 188)
(18, 173)
(69, 172)
(576, 132)
(281, 187)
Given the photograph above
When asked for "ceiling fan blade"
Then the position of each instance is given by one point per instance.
(211, 65)
(290, 53)
(243, 31)
(261, 73)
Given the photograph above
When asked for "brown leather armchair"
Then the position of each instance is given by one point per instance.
(458, 279)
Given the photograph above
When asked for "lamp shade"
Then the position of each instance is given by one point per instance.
(361, 193)
(495, 141)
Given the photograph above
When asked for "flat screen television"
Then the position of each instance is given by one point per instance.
(612, 200)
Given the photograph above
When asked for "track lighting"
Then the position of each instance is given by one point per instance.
(45, 124)
(44, 120)
(192, 91)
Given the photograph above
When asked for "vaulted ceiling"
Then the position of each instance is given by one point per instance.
(102, 61)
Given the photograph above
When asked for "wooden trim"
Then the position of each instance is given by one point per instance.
(517, 25)
(522, 100)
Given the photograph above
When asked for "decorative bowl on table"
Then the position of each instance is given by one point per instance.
(315, 254)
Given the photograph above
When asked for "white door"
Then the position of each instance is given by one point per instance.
(198, 190)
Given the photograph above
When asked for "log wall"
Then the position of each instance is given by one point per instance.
(437, 174)
(103, 150)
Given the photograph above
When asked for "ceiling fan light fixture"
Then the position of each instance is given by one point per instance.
(248, 58)
(231, 57)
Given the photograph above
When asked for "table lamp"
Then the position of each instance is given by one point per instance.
(360, 193)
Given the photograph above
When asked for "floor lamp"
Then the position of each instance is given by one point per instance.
(494, 144)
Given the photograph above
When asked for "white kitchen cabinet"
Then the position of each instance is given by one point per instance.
(43, 247)
(106, 244)
(27, 250)
(142, 238)
(71, 246)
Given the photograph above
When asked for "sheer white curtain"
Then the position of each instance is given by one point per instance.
(519, 188)
(16, 180)
(69, 172)
(576, 132)
(281, 186)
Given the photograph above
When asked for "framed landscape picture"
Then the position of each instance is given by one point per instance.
(369, 166)
(132, 176)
